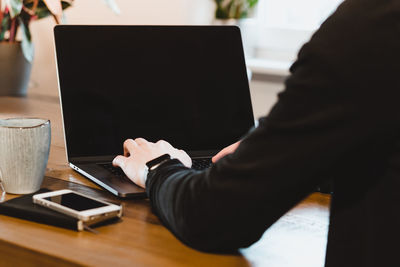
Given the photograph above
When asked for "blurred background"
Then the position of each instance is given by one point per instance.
(272, 34)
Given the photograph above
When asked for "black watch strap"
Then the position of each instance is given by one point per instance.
(154, 163)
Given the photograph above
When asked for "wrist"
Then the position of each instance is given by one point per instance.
(163, 173)
(155, 163)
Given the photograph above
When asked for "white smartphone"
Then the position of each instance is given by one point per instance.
(84, 208)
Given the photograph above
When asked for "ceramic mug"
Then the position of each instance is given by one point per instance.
(24, 151)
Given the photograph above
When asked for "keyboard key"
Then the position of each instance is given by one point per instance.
(201, 163)
(114, 170)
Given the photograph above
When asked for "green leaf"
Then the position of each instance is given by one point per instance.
(4, 26)
(54, 7)
(26, 44)
(234, 8)
(252, 3)
(221, 14)
(42, 12)
(114, 7)
(65, 4)
(15, 7)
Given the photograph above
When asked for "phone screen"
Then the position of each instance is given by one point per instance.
(75, 201)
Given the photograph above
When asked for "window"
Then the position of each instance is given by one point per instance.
(282, 26)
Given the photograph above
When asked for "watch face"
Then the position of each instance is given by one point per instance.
(155, 162)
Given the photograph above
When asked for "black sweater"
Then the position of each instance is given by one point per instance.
(339, 117)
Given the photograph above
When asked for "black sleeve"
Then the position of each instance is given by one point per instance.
(328, 111)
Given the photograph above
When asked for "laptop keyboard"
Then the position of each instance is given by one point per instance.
(114, 170)
(201, 163)
(197, 164)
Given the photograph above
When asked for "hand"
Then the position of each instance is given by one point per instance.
(227, 150)
(139, 151)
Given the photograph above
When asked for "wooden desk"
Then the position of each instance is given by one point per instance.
(297, 239)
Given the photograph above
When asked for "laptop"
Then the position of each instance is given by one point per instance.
(184, 84)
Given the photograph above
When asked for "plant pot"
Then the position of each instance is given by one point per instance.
(15, 70)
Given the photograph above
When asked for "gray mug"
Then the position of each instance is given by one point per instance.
(24, 152)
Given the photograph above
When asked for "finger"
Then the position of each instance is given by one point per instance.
(217, 157)
(182, 156)
(187, 161)
(163, 144)
(119, 161)
(141, 141)
(227, 150)
(129, 146)
(220, 155)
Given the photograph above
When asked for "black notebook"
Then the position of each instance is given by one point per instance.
(24, 208)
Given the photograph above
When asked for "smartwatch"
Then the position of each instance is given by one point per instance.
(153, 164)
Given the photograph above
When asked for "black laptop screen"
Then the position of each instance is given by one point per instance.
(184, 84)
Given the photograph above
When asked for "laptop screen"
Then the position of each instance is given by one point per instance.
(184, 84)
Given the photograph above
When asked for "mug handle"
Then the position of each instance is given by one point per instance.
(3, 191)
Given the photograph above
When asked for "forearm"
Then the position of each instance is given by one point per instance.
(190, 209)
(221, 209)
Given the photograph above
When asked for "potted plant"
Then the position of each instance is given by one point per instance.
(233, 10)
(16, 48)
